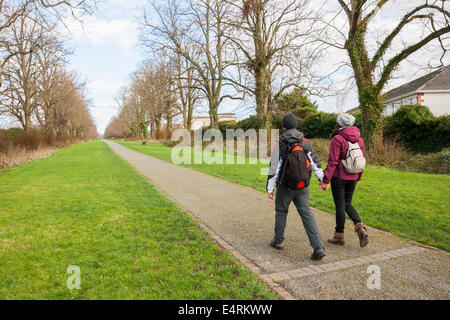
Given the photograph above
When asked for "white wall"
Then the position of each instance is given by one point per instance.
(227, 118)
(198, 123)
(439, 103)
(393, 106)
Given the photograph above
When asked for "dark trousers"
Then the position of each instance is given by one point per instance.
(300, 198)
(343, 194)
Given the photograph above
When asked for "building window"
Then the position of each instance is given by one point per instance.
(413, 100)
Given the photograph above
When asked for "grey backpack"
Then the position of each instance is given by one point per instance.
(354, 162)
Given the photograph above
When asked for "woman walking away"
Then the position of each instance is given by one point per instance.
(346, 144)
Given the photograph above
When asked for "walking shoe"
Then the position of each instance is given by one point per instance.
(361, 230)
(338, 238)
(318, 255)
(276, 245)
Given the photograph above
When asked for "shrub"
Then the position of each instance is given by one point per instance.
(224, 125)
(318, 125)
(418, 129)
(440, 132)
(386, 152)
(31, 140)
(407, 119)
(277, 122)
(438, 162)
(4, 142)
(252, 122)
(322, 148)
(13, 133)
(296, 102)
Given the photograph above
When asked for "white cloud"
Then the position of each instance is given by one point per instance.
(99, 32)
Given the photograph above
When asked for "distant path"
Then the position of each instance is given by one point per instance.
(241, 219)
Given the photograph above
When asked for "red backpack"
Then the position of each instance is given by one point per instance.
(298, 172)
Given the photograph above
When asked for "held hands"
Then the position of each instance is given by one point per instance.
(271, 196)
(324, 186)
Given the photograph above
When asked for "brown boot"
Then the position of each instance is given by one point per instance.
(338, 238)
(361, 230)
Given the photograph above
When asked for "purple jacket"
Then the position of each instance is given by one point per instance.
(338, 151)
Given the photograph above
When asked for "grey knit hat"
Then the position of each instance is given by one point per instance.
(290, 121)
(346, 120)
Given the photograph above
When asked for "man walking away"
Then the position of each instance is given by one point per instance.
(292, 162)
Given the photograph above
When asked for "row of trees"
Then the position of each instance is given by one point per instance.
(234, 49)
(36, 89)
(149, 101)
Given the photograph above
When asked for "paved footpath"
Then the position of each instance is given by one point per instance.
(241, 220)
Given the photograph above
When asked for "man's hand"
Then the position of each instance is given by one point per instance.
(271, 196)
(324, 186)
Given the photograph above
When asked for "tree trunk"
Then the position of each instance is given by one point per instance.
(372, 107)
(263, 97)
(370, 99)
(189, 116)
(213, 114)
(27, 113)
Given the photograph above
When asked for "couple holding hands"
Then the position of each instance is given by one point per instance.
(292, 162)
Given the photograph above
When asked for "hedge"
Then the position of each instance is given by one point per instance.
(413, 125)
(418, 129)
(318, 125)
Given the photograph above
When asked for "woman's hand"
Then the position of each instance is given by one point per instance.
(271, 196)
(324, 186)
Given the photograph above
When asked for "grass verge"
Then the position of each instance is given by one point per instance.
(86, 207)
(411, 205)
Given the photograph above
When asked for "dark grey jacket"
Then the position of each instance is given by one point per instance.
(278, 166)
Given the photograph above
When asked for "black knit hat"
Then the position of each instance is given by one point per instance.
(290, 121)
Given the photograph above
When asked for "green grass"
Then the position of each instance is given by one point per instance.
(411, 205)
(86, 207)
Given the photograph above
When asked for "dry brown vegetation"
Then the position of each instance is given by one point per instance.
(386, 152)
(381, 152)
(16, 156)
(25, 147)
(44, 105)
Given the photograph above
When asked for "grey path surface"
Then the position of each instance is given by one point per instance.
(244, 218)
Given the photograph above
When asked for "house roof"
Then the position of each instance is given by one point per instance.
(437, 80)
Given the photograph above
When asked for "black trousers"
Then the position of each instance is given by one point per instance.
(343, 194)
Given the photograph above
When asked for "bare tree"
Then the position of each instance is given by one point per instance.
(194, 26)
(186, 86)
(45, 11)
(54, 83)
(149, 101)
(116, 129)
(37, 90)
(271, 40)
(21, 73)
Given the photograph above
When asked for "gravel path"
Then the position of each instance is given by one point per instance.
(242, 220)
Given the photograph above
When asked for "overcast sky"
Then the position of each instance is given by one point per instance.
(106, 52)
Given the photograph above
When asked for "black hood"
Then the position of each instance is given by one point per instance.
(288, 137)
(291, 136)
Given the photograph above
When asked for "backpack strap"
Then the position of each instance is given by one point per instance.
(339, 166)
